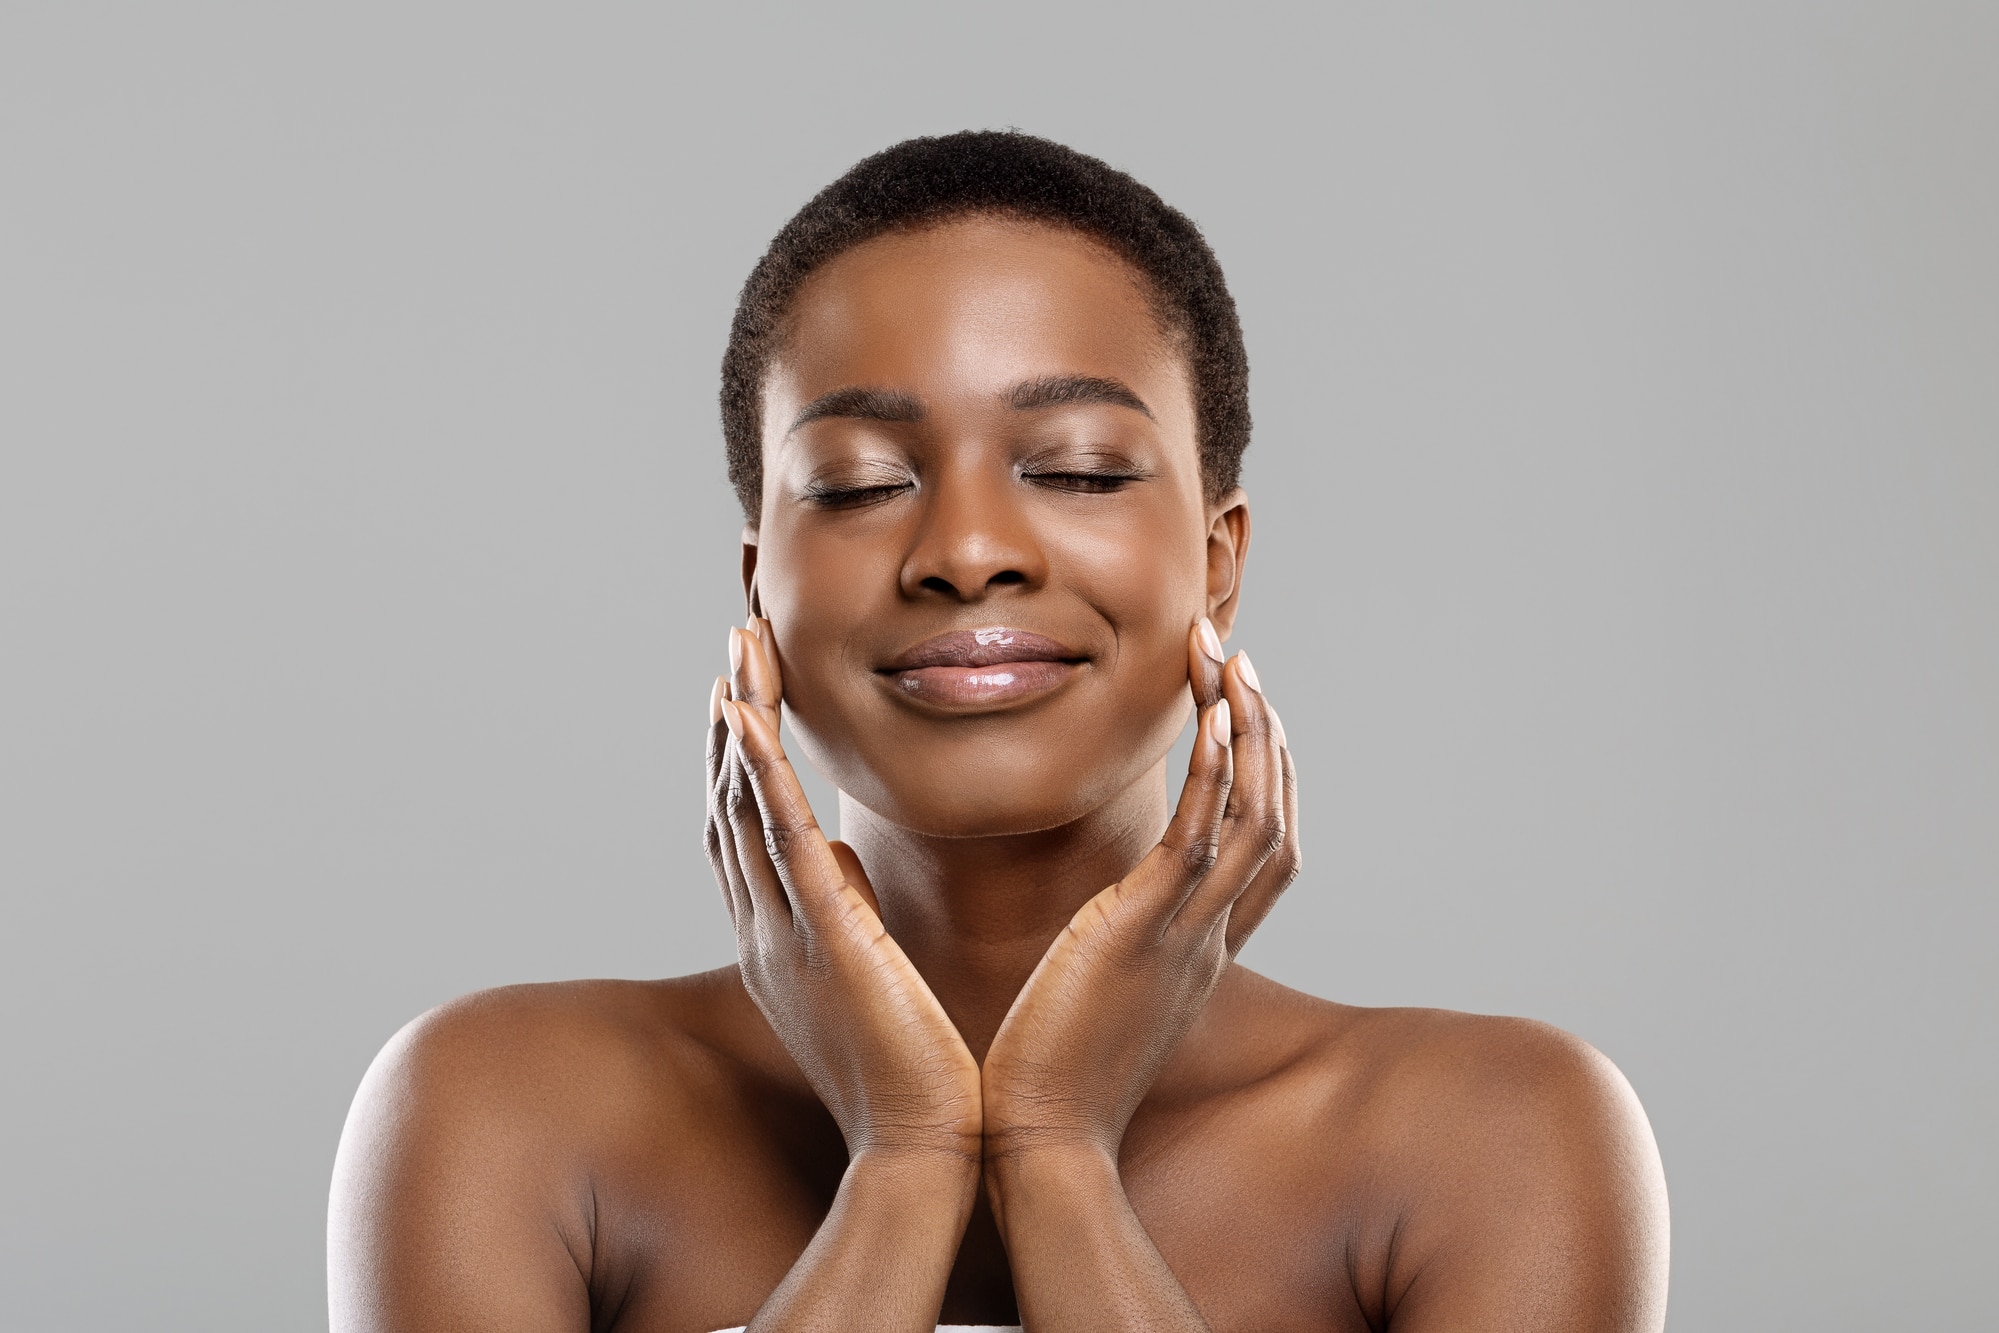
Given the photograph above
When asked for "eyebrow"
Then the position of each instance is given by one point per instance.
(1062, 390)
(867, 404)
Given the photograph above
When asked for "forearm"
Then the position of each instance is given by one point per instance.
(881, 1258)
(1082, 1262)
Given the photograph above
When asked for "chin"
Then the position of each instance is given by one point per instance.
(991, 788)
(971, 815)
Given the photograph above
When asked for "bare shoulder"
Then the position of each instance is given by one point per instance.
(1435, 1071)
(469, 1166)
(1415, 1077)
(1499, 1172)
(561, 1050)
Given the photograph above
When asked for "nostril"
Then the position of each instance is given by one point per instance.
(935, 584)
(1007, 576)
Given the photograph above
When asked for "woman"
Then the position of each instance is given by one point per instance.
(989, 1060)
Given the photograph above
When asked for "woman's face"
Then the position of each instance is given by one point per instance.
(984, 537)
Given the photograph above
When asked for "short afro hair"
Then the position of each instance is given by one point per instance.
(922, 182)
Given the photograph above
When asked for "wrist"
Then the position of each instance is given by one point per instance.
(914, 1181)
(1049, 1178)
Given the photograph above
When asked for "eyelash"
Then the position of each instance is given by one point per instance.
(853, 497)
(1085, 483)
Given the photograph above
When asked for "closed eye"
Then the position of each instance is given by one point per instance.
(1085, 482)
(853, 497)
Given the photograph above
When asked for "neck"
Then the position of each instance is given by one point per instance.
(975, 915)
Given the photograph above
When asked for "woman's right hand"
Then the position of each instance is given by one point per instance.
(837, 989)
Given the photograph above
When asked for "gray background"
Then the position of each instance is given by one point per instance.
(1627, 488)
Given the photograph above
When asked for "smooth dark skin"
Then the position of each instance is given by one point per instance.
(955, 1074)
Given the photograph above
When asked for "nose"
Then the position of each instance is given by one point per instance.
(974, 538)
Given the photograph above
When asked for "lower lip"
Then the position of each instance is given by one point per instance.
(982, 687)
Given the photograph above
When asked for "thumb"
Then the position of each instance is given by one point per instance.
(856, 876)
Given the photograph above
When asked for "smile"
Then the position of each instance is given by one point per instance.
(983, 669)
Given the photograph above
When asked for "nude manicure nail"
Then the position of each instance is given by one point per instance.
(736, 649)
(715, 697)
(1247, 672)
(734, 718)
(1218, 724)
(1211, 643)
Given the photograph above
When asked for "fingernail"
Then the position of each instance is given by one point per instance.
(1247, 672)
(1211, 644)
(1218, 724)
(756, 626)
(715, 697)
(734, 718)
(736, 649)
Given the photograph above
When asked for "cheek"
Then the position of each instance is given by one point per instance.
(826, 599)
(1151, 591)
(815, 599)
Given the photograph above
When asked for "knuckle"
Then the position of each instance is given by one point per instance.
(774, 940)
(1272, 834)
(779, 839)
(782, 840)
(1198, 858)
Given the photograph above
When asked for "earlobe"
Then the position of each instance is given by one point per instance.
(754, 602)
(1228, 550)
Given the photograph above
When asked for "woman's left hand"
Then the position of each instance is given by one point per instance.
(1121, 985)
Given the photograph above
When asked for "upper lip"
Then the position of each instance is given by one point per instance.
(983, 647)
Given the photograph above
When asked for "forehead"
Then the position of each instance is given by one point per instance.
(969, 308)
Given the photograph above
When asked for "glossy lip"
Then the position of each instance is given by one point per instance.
(982, 670)
(983, 647)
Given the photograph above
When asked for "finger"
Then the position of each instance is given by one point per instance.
(728, 876)
(751, 678)
(1253, 826)
(718, 734)
(1275, 875)
(855, 875)
(739, 826)
(721, 857)
(749, 686)
(768, 638)
(713, 843)
(724, 805)
(793, 844)
(1172, 870)
(742, 840)
(1204, 663)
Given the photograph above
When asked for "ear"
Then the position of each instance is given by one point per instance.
(750, 570)
(1228, 549)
